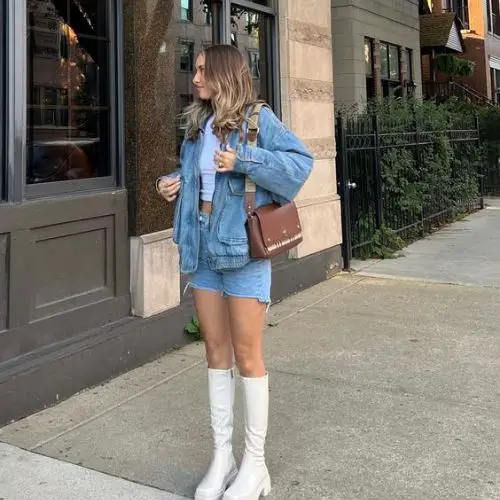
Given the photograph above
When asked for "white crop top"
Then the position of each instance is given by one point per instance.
(207, 165)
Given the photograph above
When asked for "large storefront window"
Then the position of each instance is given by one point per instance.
(73, 131)
(68, 91)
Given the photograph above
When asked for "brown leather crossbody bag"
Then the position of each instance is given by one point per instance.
(272, 229)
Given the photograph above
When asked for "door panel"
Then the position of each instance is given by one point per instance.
(64, 277)
(73, 265)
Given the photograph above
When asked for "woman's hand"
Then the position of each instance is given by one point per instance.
(225, 160)
(169, 188)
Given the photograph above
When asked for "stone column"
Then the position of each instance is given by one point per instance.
(307, 107)
(150, 151)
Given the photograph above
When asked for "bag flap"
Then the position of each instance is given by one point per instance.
(278, 222)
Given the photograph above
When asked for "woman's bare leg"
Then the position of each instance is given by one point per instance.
(212, 312)
(246, 318)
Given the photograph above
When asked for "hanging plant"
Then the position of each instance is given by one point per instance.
(454, 66)
(465, 68)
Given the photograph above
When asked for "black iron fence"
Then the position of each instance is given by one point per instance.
(492, 177)
(401, 177)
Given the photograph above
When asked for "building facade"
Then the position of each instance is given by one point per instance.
(492, 46)
(479, 22)
(90, 97)
(376, 50)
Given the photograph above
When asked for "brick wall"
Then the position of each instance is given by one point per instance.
(475, 51)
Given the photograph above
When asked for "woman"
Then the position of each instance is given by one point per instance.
(231, 291)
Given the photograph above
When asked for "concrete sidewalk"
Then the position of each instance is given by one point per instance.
(380, 389)
(464, 253)
(25, 475)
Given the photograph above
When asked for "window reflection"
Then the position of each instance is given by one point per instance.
(68, 90)
(189, 36)
(248, 34)
(186, 56)
(187, 10)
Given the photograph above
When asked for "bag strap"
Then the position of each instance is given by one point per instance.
(252, 135)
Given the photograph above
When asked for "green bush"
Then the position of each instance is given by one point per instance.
(452, 65)
(424, 186)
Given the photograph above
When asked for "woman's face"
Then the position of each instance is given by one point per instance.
(204, 93)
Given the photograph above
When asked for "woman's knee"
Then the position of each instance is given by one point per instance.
(218, 349)
(249, 361)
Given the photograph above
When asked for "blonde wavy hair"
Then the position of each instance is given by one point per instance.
(229, 77)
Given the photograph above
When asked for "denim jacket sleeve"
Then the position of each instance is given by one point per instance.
(280, 164)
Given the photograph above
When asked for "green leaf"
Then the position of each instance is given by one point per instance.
(191, 328)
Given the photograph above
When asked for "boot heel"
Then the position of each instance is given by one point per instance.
(266, 490)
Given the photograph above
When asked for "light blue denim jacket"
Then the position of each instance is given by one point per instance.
(279, 166)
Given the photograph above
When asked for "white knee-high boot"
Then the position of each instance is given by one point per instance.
(253, 478)
(222, 470)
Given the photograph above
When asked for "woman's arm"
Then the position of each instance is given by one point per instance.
(281, 164)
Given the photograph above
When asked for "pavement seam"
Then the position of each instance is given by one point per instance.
(92, 469)
(315, 303)
(114, 407)
(429, 281)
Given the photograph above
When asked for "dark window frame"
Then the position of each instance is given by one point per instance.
(495, 84)
(190, 12)
(461, 9)
(388, 84)
(371, 43)
(494, 18)
(3, 102)
(409, 52)
(489, 13)
(410, 72)
(370, 76)
(16, 135)
(388, 78)
(272, 69)
(187, 43)
(15, 103)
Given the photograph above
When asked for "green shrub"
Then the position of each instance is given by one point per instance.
(423, 186)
